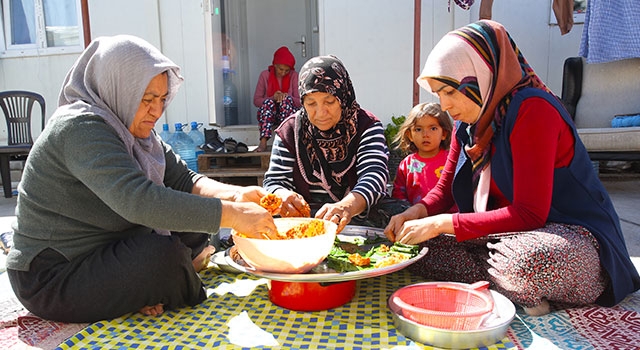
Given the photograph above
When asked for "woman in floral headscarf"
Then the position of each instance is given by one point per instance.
(331, 154)
(534, 218)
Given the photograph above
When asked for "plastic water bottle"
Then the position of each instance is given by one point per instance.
(165, 134)
(230, 98)
(183, 145)
(197, 136)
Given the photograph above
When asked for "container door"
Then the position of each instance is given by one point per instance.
(248, 32)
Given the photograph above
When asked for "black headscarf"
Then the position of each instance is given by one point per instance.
(327, 156)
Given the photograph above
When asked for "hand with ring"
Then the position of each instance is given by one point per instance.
(335, 214)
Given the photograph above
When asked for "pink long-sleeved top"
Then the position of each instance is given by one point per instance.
(261, 89)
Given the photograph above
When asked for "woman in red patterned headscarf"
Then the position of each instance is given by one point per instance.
(534, 218)
(276, 94)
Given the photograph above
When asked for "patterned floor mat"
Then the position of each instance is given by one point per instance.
(19, 329)
(358, 324)
(589, 327)
(363, 323)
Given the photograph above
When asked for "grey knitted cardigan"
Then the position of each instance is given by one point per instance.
(87, 181)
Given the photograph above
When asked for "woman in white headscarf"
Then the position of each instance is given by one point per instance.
(109, 219)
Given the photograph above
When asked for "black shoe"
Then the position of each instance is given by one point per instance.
(212, 136)
(212, 141)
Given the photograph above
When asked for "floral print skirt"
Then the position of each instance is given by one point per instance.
(271, 114)
(557, 262)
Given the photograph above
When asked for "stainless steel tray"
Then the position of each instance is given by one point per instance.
(322, 273)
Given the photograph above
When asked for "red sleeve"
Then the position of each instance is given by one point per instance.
(261, 89)
(540, 142)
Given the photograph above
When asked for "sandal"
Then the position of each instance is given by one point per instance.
(242, 148)
(230, 145)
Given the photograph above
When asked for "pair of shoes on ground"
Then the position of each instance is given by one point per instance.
(233, 146)
(213, 143)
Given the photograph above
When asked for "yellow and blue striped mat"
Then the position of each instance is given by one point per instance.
(363, 323)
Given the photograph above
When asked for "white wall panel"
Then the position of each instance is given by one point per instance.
(374, 38)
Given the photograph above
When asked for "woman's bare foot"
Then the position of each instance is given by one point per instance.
(152, 310)
(202, 260)
(263, 145)
(541, 309)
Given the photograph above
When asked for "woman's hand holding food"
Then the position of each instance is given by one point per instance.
(293, 204)
(208, 187)
(335, 212)
(248, 218)
(341, 212)
(395, 223)
(420, 230)
(249, 194)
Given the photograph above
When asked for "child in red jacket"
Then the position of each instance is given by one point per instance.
(426, 133)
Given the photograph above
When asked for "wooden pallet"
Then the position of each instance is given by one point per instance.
(229, 167)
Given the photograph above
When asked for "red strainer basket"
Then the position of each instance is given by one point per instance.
(453, 306)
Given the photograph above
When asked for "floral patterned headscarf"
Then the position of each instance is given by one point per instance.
(327, 156)
(481, 61)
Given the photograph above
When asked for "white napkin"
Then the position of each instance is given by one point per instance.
(243, 332)
(239, 288)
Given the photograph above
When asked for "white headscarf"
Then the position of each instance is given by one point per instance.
(109, 79)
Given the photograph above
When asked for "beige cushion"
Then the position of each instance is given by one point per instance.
(611, 139)
(608, 89)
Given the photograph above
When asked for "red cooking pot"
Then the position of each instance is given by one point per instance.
(311, 296)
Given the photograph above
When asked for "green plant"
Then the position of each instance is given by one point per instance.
(392, 128)
(395, 154)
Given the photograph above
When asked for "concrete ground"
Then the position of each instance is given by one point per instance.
(625, 193)
(624, 190)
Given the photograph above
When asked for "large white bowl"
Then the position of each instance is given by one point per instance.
(286, 255)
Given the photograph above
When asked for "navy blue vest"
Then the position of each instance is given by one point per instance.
(578, 198)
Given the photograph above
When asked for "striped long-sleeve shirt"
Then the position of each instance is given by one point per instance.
(371, 168)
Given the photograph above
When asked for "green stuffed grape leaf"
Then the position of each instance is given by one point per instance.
(371, 248)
